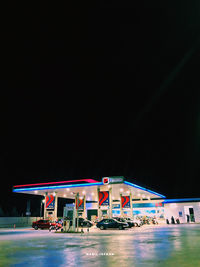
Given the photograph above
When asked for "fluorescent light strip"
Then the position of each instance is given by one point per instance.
(182, 200)
(54, 187)
(142, 188)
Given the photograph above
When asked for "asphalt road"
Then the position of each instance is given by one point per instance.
(148, 246)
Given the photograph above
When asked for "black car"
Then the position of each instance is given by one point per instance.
(82, 223)
(130, 223)
(111, 223)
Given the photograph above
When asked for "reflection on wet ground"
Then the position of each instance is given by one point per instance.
(171, 245)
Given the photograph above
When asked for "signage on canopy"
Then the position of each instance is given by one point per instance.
(80, 204)
(104, 198)
(125, 202)
(50, 202)
(113, 180)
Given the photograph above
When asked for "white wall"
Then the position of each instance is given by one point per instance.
(173, 209)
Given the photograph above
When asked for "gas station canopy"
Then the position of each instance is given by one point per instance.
(89, 189)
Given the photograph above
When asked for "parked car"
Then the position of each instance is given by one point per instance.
(46, 224)
(82, 223)
(112, 223)
(85, 223)
(130, 223)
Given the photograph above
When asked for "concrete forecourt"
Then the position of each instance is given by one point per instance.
(148, 246)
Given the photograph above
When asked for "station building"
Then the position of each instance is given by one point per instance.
(112, 197)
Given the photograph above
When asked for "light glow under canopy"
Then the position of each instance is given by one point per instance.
(145, 189)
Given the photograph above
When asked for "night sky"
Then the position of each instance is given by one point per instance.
(107, 90)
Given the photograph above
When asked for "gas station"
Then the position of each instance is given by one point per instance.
(110, 197)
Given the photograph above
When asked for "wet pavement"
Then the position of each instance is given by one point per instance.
(148, 246)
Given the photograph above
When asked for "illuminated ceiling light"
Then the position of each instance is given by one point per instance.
(121, 190)
(54, 194)
(64, 195)
(36, 192)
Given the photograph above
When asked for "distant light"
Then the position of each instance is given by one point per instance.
(36, 192)
(92, 193)
(121, 189)
(54, 194)
(109, 186)
(67, 189)
(64, 195)
(43, 200)
(83, 192)
(138, 194)
(128, 192)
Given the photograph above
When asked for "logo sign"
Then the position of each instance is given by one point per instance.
(113, 180)
(50, 202)
(105, 180)
(159, 204)
(125, 202)
(104, 198)
(80, 204)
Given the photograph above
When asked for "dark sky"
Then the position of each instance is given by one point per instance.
(104, 90)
